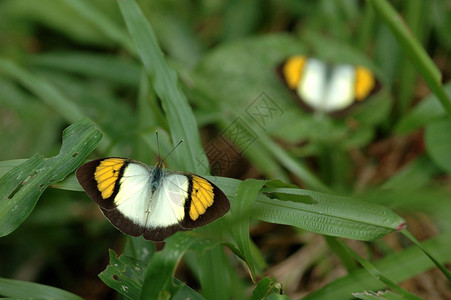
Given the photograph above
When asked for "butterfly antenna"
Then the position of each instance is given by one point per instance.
(171, 151)
(158, 145)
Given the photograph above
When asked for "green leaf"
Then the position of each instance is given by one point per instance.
(326, 214)
(265, 287)
(21, 289)
(139, 248)
(124, 274)
(381, 295)
(185, 292)
(97, 18)
(438, 143)
(436, 262)
(377, 274)
(410, 45)
(399, 265)
(337, 248)
(215, 273)
(429, 109)
(44, 90)
(99, 66)
(415, 175)
(318, 212)
(58, 16)
(165, 82)
(159, 274)
(246, 193)
(21, 187)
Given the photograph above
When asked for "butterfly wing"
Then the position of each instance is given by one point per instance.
(340, 89)
(120, 187)
(205, 204)
(184, 201)
(139, 200)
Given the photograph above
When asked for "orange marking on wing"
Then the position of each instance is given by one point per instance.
(292, 70)
(364, 83)
(106, 175)
(201, 197)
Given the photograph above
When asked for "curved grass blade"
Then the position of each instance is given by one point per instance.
(21, 187)
(436, 262)
(18, 289)
(44, 90)
(246, 193)
(100, 66)
(399, 265)
(48, 94)
(377, 274)
(410, 45)
(91, 14)
(165, 82)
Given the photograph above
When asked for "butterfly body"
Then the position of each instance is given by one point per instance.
(149, 201)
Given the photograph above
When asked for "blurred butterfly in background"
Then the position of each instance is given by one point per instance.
(325, 87)
(149, 201)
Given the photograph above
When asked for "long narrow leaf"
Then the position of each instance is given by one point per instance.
(46, 92)
(399, 265)
(413, 49)
(23, 290)
(180, 116)
(245, 196)
(376, 273)
(436, 262)
(97, 18)
(321, 213)
(327, 214)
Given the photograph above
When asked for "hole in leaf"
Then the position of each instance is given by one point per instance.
(291, 197)
(21, 185)
(15, 191)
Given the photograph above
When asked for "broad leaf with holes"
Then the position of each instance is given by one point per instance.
(21, 187)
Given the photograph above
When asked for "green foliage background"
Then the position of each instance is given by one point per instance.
(104, 75)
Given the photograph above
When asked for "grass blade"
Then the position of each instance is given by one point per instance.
(245, 196)
(165, 82)
(97, 18)
(376, 273)
(22, 290)
(399, 265)
(44, 90)
(414, 50)
(436, 262)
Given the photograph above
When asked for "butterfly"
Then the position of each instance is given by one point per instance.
(149, 201)
(325, 87)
